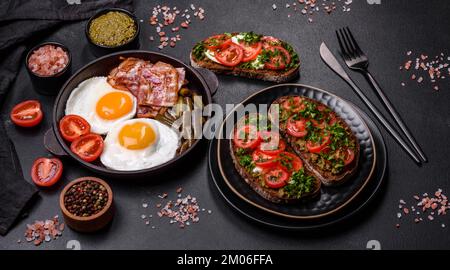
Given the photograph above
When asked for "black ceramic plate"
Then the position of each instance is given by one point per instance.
(260, 216)
(331, 199)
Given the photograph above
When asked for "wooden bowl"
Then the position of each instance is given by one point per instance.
(91, 223)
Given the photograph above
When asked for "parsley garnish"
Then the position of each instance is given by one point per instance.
(199, 51)
(299, 184)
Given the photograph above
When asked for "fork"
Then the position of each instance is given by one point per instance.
(357, 60)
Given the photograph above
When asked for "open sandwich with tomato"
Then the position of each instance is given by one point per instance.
(248, 55)
(323, 141)
(268, 164)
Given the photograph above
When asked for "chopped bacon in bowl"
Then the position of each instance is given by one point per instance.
(48, 60)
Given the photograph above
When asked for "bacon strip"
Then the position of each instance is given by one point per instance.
(154, 86)
(164, 84)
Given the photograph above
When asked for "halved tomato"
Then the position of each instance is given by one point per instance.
(251, 51)
(27, 113)
(290, 162)
(280, 57)
(264, 160)
(217, 41)
(230, 55)
(294, 104)
(271, 143)
(276, 177)
(46, 172)
(317, 147)
(88, 147)
(349, 156)
(73, 126)
(296, 128)
(247, 137)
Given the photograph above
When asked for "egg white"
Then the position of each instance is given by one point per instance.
(117, 157)
(83, 99)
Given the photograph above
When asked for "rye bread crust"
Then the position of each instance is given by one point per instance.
(265, 75)
(273, 195)
(326, 177)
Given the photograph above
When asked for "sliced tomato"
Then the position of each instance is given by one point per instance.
(27, 113)
(317, 147)
(321, 125)
(271, 143)
(296, 128)
(230, 55)
(46, 172)
(349, 156)
(251, 51)
(332, 119)
(290, 162)
(216, 42)
(73, 126)
(280, 57)
(321, 107)
(269, 41)
(88, 147)
(247, 137)
(294, 104)
(276, 177)
(264, 160)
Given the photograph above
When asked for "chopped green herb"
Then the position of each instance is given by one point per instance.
(199, 51)
(250, 37)
(299, 184)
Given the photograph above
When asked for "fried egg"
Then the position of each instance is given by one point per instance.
(139, 144)
(101, 105)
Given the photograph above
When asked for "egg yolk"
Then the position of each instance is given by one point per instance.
(114, 105)
(137, 136)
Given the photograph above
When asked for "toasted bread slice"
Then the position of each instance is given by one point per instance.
(289, 73)
(264, 74)
(256, 182)
(316, 163)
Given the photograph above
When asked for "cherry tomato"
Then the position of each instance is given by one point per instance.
(271, 144)
(251, 51)
(73, 126)
(349, 156)
(247, 137)
(294, 104)
(88, 147)
(27, 113)
(46, 172)
(296, 128)
(276, 177)
(279, 59)
(230, 55)
(216, 42)
(290, 162)
(264, 160)
(317, 147)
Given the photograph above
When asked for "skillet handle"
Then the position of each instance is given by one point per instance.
(210, 78)
(52, 144)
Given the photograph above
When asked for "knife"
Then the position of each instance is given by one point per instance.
(331, 61)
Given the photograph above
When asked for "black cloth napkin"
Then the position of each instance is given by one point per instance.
(20, 21)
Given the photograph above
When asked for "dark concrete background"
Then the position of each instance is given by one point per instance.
(385, 33)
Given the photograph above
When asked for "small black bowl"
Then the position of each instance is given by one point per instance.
(49, 85)
(100, 50)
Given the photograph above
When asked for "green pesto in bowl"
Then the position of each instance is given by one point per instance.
(112, 29)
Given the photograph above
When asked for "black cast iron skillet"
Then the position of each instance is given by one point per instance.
(201, 80)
